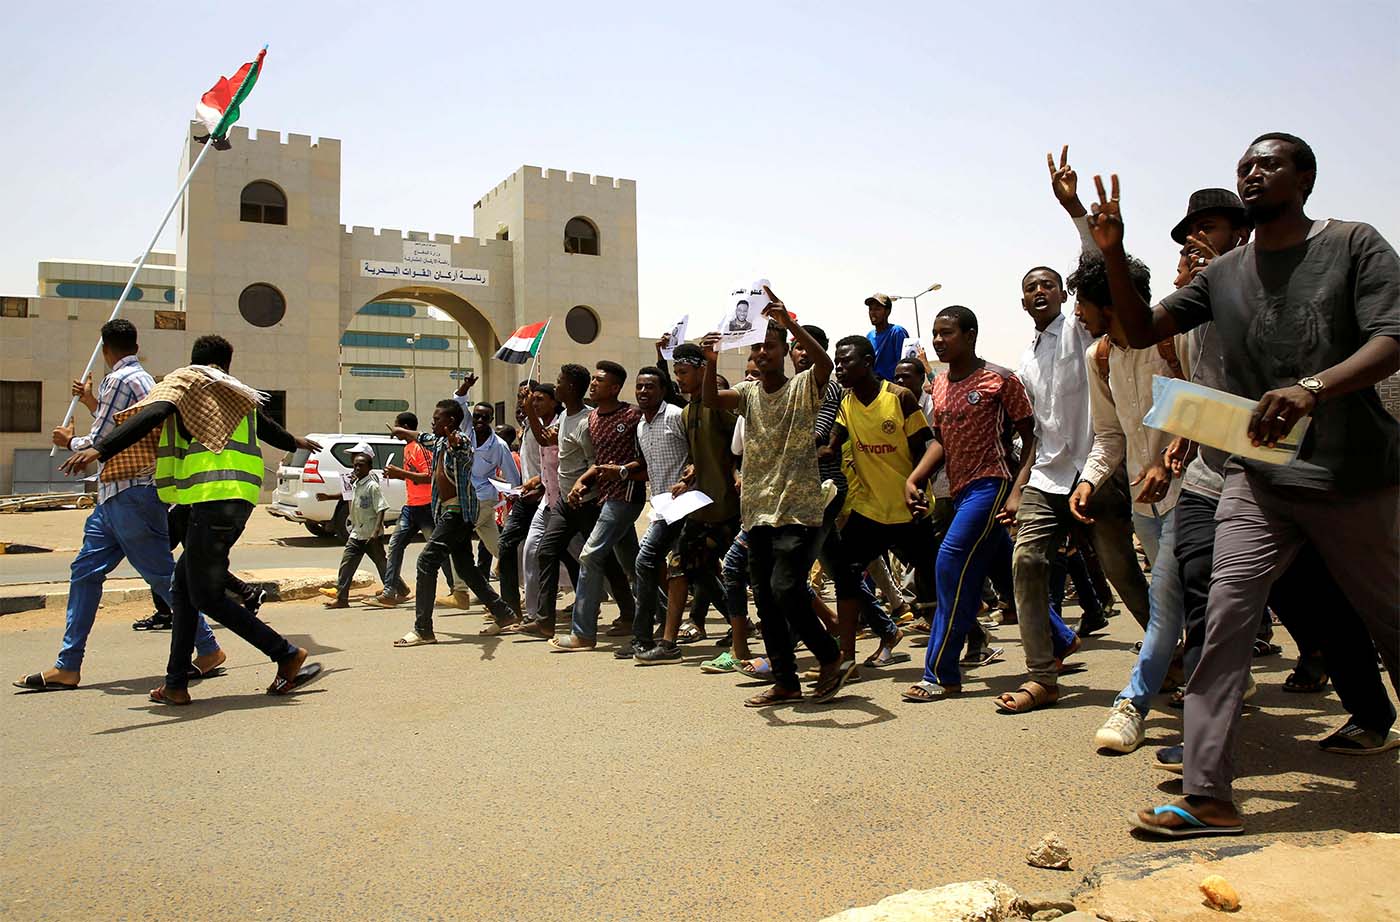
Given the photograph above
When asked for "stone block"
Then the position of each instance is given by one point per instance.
(971, 901)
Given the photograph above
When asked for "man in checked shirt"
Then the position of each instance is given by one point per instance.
(129, 521)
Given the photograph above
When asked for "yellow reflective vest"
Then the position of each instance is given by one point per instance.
(189, 473)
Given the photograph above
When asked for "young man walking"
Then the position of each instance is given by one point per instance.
(416, 516)
(128, 523)
(781, 502)
(1120, 395)
(366, 519)
(976, 406)
(612, 436)
(454, 511)
(206, 456)
(1308, 316)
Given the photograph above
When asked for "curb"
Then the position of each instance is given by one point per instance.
(289, 589)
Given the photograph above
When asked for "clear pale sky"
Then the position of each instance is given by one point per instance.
(836, 149)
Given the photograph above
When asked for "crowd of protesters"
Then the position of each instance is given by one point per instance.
(920, 497)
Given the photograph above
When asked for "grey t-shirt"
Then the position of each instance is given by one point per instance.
(1285, 314)
(575, 451)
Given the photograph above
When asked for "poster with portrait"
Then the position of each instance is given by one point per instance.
(677, 335)
(743, 323)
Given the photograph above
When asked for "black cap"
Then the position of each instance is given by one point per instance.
(1203, 200)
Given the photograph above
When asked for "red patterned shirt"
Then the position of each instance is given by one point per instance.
(973, 417)
(614, 437)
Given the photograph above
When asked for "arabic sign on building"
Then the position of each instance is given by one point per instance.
(424, 262)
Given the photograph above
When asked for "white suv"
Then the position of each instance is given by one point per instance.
(302, 474)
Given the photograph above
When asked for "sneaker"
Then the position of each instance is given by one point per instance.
(664, 652)
(725, 662)
(1171, 759)
(383, 600)
(1122, 732)
(1090, 624)
(629, 650)
(254, 600)
(1355, 740)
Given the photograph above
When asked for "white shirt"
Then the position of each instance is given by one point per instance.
(1056, 381)
(531, 462)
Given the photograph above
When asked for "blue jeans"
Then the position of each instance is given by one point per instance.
(660, 537)
(735, 572)
(412, 520)
(974, 541)
(614, 529)
(1166, 610)
(132, 526)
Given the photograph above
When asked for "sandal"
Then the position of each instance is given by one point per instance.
(571, 643)
(885, 657)
(535, 630)
(35, 682)
(1265, 648)
(771, 696)
(982, 657)
(1036, 696)
(759, 670)
(1308, 677)
(414, 639)
(921, 692)
(159, 696)
(846, 671)
(691, 633)
(1190, 825)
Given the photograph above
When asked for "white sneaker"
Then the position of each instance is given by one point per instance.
(1122, 732)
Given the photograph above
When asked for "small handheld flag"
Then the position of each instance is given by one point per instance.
(523, 344)
(218, 108)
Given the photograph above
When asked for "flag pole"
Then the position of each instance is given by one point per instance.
(536, 363)
(131, 282)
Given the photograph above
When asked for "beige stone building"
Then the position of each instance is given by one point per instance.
(344, 325)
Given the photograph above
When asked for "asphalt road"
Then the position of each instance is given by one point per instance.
(486, 778)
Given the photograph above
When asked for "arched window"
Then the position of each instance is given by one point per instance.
(262, 305)
(581, 236)
(581, 324)
(262, 203)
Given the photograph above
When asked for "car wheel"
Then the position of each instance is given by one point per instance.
(318, 529)
(340, 523)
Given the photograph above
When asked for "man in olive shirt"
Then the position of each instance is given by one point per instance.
(1308, 319)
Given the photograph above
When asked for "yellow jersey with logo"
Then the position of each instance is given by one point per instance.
(878, 437)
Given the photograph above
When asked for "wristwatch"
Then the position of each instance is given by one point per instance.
(1312, 385)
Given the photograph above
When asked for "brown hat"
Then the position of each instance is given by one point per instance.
(880, 300)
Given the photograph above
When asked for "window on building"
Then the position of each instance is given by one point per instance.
(14, 307)
(276, 407)
(262, 203)
(581, 236)
(380, 405)
(581, 324)
(20, 403)
(170, 320)
(98, 291)
(354, 338)
(262, 305)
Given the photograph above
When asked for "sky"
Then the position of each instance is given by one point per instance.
(835, 149)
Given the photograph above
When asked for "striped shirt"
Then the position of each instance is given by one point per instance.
(125, 385)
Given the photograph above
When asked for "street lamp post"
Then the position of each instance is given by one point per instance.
(413, 345)
(915, 298)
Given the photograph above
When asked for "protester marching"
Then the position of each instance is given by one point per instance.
(673, 491)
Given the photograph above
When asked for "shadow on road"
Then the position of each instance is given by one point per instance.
(210, 707)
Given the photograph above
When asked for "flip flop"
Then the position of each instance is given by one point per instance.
(35, 682)
(845, 672)
(194, 674)
(1193, 828)
(772, 696)
(414, 639)
(923, 692)
(759, 669)
(984, 657)
(1265, 648)
(306, 673)
(157, 696)
(1355, 740)
(571, 643)
(885, 657)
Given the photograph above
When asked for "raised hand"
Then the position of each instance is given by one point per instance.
(662, 343)
(776, 310)
(1106, 223)
(1064, 182)
(710, 346)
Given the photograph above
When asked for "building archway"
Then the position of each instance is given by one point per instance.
(422, 359)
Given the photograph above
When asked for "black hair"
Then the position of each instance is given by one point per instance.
(212, 349)
(649, 370)
(119, 335)
(962, 316)
(774, 328)
(577, 376)
(745, 303)
(1089, 279)
(544, 387)
(722, 381)
(1059, 279)
(688, 351)
(1304, 160)
(528, 384)
(452, 409)
(489, 409)
(406, 420)
(618, 373)
(818, 334)
(859, 343)
(508, 433)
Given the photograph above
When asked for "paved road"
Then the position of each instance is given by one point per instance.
(485, 778)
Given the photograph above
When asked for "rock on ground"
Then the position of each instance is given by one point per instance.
(972, 901)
